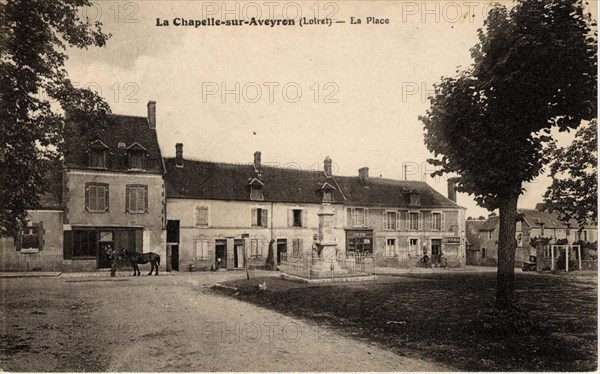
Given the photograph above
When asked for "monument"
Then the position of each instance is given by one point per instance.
(325, 246)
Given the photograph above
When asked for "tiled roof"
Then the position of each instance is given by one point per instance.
(221, 181)
(490, 224)
(550, 220)
(128, 130)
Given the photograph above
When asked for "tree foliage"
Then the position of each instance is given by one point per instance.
(35, 90)
(533, 69)
(574, 170)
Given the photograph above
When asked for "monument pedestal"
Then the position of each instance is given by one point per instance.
(327, 265)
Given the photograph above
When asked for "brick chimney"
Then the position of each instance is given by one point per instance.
(327, 167)
(452, 189)
(257, 161)
(179, 155)
(363, 173)
(152, 114)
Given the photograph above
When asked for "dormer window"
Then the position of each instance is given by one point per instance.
(327, 193)
(97, 155)
(136, 155)
(256, 192)
(415, 198)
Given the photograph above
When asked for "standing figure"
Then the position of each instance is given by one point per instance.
(112, 255)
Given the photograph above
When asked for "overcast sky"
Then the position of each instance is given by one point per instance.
(362, 86)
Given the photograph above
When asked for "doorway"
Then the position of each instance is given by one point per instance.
(436, 250)
(221, 254)
(173, 240)
(105, 247)
(281, 250)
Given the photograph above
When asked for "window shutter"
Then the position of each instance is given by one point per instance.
(443, 218)
(304, 218)
(420, 221)
(106, 201)
(87, 196)
(265, 217)
(300, 246)
(366, 223)
(431, 221)
(127, 198)
(290, 218)
(253, 218)
(68, 245)
(384, 220)
(146, 199)
(398, 220)
(353, 217)
(407, 215)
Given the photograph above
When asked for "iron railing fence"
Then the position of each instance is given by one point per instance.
(353, 265)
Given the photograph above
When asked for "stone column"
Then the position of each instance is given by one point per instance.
(327, 263)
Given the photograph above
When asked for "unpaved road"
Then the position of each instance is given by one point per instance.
(167, 323)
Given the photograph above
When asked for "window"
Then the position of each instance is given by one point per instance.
(256, 193)
(96, 197)
(437, 221)
(327, 196)
(390, 248)
(201, 247)
(30, 238)
(137, 198)
(260, 217)
(413, 247)
(414, 221)
(255, 250)
(296, 247)
(490, 234)
(85, 243)
(390, 220)
(415, 199)
(358, 217)
(137, 160)
(482, 252)
(98, 158)
(297, 218)
(202, 216)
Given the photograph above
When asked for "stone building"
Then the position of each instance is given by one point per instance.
(110, 194)
(536, 223)
(214, 210)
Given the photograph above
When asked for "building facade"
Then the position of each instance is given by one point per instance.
(536, 223)
(110, 195)
(215, 210)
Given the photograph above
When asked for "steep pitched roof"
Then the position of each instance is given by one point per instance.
(131, 130)
(490, 224)
(221, 181)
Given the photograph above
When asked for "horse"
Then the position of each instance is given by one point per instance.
(142, 258)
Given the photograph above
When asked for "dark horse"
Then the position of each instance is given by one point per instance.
(143, 258)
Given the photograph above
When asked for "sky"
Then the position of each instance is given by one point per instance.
(350, 91)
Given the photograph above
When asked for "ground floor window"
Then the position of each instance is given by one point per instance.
(359, 241)
(296, 247)
(96, 243)
(255, 250)
(390, 248)
(483, 253)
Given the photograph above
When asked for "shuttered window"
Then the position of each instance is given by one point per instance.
(137, 198)
(260, 217)
(358, 217)
(96, 197)
(437, 221)
(202, 216)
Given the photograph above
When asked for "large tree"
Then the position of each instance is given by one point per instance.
(574, 170)
(533, 69)
(35, 91)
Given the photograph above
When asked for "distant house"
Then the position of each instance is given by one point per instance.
(110, 194)
(536, 223)
(214, 210)
(472, 241)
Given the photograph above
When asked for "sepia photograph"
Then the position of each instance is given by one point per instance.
(298, 186)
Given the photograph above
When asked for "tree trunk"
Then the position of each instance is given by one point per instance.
(507, 243)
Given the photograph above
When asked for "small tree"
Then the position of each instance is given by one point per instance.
(574, 189)
(534, 69)
(33, 37)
